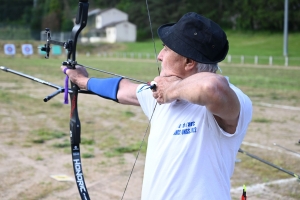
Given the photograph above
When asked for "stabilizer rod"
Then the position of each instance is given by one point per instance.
(270, 164)
(47, 98)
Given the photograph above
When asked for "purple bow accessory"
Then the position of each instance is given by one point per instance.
(66, 100)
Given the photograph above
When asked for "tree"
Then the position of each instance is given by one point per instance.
(161, 12)
(236, 14)
(294, 15)
(13, 10)
(52, 18)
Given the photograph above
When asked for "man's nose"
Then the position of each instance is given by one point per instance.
(160, 56)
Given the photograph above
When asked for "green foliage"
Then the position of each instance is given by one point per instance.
(237, 14)
(5, 97)
(55, 6)
(39, 158)
(87, 141)
(118, 151)
(13, 10)
(234, 14)
(36, 22)
(129, 114)
(261, 120)
(12, 32)
(103, 3)
(66, 24)
(53, 17)
(88, 155)
(64, 144)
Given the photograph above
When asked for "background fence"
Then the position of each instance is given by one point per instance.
(232, 59)
(235, 59)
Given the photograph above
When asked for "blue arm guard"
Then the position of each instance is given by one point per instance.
(105, 87)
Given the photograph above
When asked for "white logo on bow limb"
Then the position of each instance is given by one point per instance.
(79, 175)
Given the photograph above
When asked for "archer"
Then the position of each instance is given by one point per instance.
(209, 115)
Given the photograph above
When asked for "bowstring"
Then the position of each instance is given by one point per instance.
(150, 23)
(138, 153)
(149, 122)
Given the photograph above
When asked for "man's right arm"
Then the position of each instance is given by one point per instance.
(127, 93)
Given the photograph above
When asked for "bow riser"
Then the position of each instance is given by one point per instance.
(75, 127)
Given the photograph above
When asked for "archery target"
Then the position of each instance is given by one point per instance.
(27, 49)
(9, 49)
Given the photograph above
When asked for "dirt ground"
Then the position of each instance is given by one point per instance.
(26, 169)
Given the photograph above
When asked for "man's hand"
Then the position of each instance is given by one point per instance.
(165, 91)
(79, 76)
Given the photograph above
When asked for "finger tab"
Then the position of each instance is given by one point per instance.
(153, 85)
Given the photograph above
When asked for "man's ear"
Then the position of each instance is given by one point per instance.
(190, 64)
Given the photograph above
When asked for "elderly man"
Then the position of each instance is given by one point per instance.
(200, 120)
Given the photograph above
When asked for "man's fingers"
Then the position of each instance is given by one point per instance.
(82, 70)
(155, 95)
(64, 69)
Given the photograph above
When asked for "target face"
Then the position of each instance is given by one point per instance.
(9, 49)
(27, 49)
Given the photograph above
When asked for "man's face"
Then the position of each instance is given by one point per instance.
(172, 63)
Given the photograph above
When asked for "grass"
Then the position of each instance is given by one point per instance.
(262, 44)
(119, 151)
(42, 135)
(260, 77)
(88, 155)
(240, 43)
(64, 144)
(261, 120)
(42, 189)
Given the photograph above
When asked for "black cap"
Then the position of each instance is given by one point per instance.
(195, 37)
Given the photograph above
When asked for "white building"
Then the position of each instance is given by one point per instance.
(109, 25)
